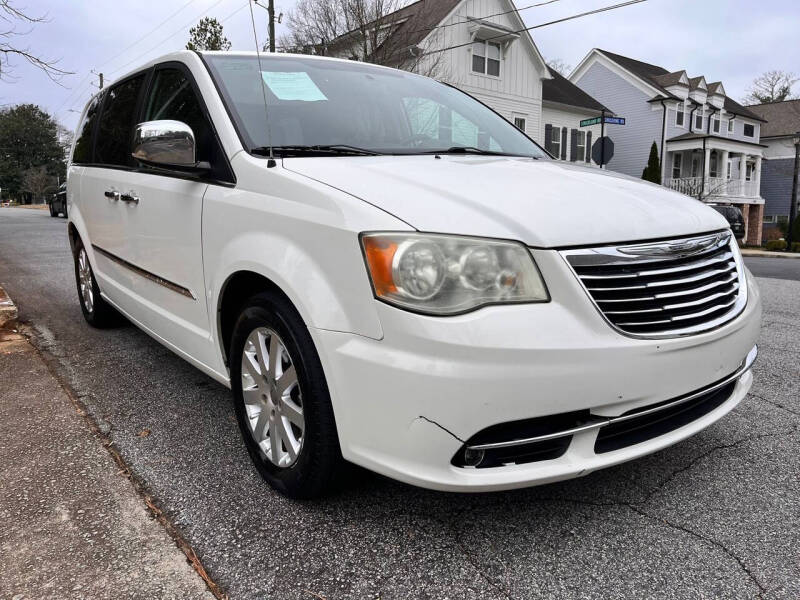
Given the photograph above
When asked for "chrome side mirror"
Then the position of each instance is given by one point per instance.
(167, 144)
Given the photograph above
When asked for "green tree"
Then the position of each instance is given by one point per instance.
(207, 35)
(652, 172)
(28, 139)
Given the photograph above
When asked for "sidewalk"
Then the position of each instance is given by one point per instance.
(72, 527)
(768, 254)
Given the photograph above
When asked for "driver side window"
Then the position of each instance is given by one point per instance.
(172, 97)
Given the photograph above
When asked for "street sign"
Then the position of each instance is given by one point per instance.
(603, 150)
(606, 120)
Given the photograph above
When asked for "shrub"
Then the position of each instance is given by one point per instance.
(774, 245)
(795, 246)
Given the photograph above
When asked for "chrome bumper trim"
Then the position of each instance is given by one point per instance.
(747, 363)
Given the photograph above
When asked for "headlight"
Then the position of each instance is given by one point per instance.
(447, 274)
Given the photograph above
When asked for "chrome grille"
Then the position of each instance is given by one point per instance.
(664, 289)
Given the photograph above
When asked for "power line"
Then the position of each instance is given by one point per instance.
(470, 21)
(71, 95)
(578, 16)
(169, 37)
(153, 30)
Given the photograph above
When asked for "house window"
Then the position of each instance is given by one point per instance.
(486, 58)
(698, 122)
(676, 165)
(555, 141)
(580, 146)
(680, 114)
(715, 124)
(749, 130)
(695, 167)
(748, 172)
(729, 170)
(712, 171)
(769, 218)
(519, 123)
(730, 125)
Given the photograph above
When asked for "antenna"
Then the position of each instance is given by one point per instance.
(271, 162)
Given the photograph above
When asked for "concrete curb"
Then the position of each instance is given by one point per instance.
(768, 254)
(8, 311)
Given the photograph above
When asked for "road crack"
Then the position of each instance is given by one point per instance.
(709, 540)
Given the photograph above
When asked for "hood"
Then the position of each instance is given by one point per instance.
(542, 203)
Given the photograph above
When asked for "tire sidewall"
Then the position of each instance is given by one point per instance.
(262, 311)
(90, 317)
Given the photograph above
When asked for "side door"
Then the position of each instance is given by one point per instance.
(163, 212)
(107, 167)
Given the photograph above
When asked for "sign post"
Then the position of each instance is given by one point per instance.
(604, 146)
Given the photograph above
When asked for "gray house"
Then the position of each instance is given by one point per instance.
(708, 143)
(777, 134)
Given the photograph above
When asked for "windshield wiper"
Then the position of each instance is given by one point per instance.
(467, 150)
(318, 150)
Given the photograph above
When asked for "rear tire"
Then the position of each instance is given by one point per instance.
(97, 312)
(281, 399)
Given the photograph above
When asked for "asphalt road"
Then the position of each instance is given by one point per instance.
(776, 268)
(716, 516)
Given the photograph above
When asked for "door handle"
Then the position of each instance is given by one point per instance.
(129, 198)
(112, 194)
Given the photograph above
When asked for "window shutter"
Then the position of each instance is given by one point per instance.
(573, 145)
(588, 146)
(548, 138)
(563, 143)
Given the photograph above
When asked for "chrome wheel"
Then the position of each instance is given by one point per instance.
(272, 398)
(85, 280)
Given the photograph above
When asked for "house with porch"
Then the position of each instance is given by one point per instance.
(483, 48)
(708, 143)
(779, 134)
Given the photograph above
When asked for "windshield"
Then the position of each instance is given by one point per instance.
(354, 106)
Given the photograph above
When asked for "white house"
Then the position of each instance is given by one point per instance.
(481, 47)
(708, 143)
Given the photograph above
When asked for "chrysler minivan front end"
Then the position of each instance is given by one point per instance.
(615, 352)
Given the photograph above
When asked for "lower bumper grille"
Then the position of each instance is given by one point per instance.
(637, 430)
(548, 438)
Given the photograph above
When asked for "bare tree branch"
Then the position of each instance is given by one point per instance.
(772, 86)
(11, 14)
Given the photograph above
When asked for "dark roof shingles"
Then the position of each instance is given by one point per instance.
(782, 118)
(560, 89)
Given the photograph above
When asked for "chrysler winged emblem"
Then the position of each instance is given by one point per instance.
(679, 248)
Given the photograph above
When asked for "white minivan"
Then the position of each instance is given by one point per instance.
(387, 272)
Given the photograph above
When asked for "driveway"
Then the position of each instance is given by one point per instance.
(715, 516)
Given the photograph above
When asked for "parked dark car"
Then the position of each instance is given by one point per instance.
(734, 217)
(58, 202)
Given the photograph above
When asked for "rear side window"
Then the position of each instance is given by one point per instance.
(172, 97)
(83, 147)
(116, 123)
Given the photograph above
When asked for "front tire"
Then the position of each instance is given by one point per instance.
(53, 213)
(97, 312)
(282, 402)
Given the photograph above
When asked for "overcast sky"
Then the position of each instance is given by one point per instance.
(728, 40)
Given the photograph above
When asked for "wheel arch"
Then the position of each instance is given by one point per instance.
(234, 292)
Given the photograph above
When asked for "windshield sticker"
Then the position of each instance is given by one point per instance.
(292, 86)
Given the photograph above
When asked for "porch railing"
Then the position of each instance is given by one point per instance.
(714, 186)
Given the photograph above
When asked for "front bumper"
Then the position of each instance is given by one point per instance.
(405, 405)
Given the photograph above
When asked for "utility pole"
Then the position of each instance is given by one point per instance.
(271, 11)
(793, 206)
(100, 78)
